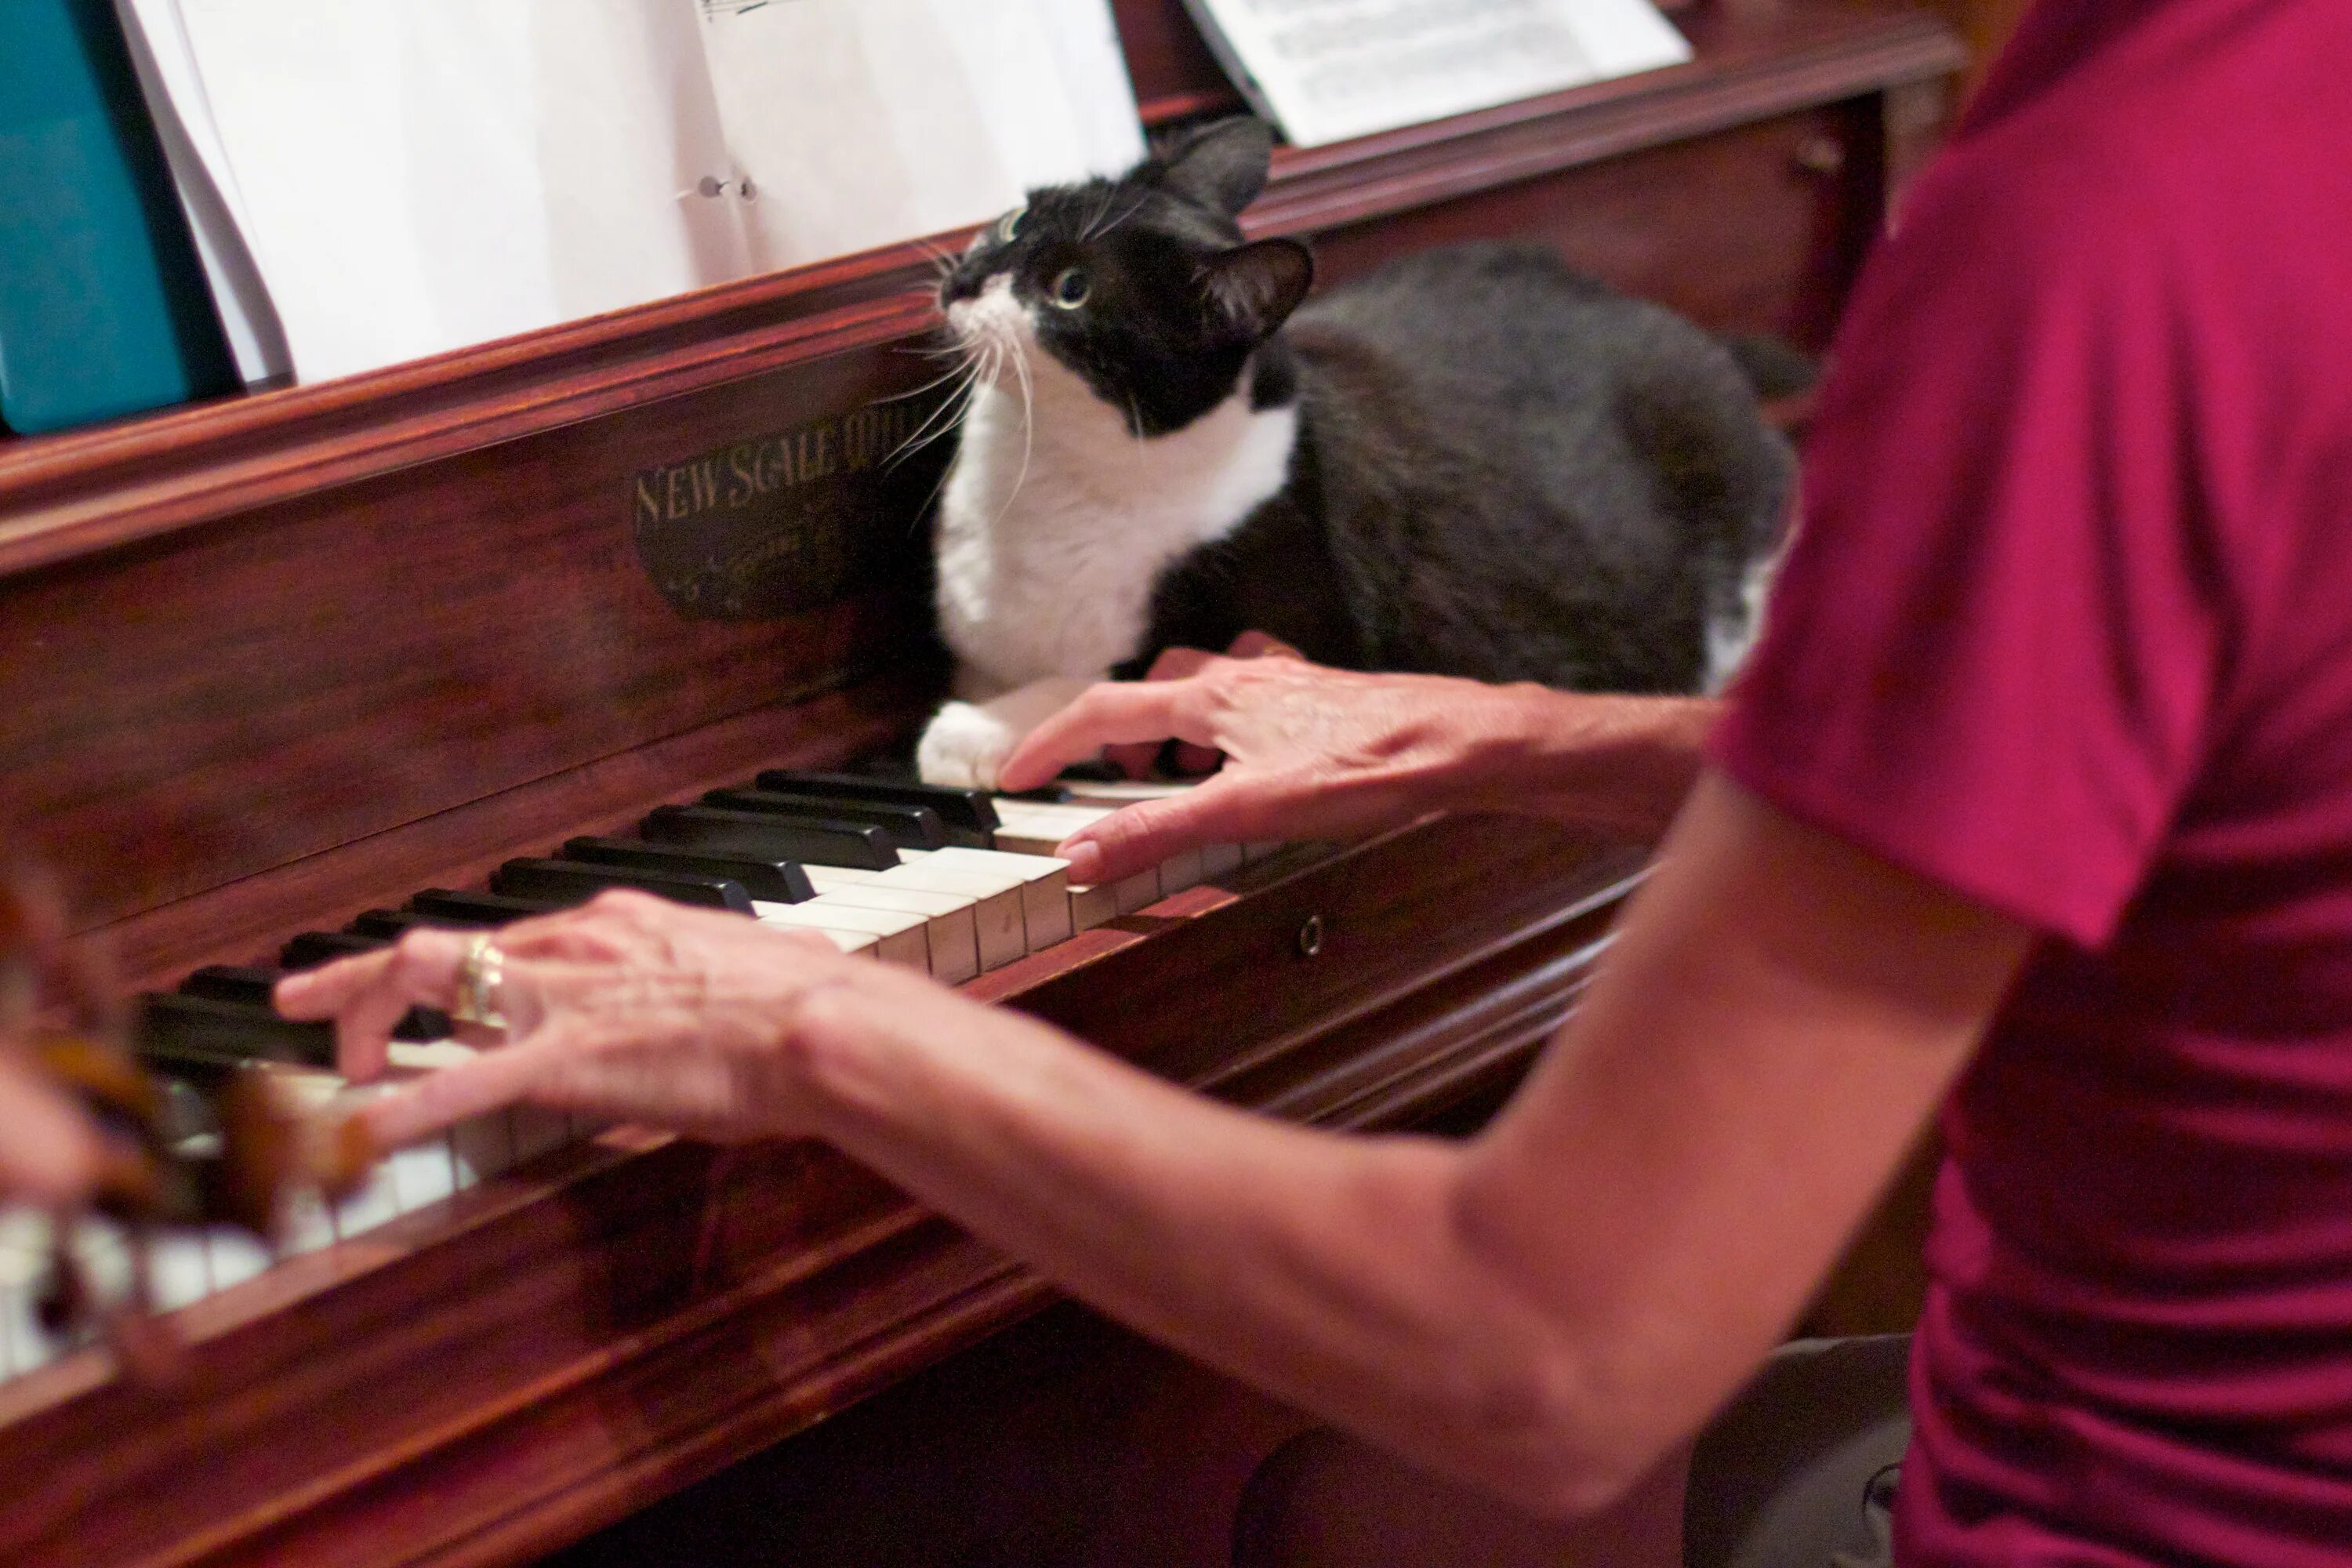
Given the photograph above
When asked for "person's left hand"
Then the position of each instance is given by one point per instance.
(629, 1007)
(49, 1151)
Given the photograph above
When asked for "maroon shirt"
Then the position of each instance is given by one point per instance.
(2068, 627)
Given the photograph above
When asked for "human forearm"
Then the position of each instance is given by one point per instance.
(1327, 754)
(1328, 1270)
(1624, 763)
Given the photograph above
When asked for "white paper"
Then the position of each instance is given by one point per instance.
(207, 186)
(1327, 71)
(420, 174)
(862, 123)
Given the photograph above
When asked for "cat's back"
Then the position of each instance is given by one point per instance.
(1498, 323)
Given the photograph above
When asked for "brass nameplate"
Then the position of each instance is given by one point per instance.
(792, 521)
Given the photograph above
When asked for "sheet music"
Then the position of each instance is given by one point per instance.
(420, 174)
(409, 176)
(860, 122)
(207, 187)
(1327, 71)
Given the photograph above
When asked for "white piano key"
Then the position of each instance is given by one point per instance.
(105, 1257)
(306, 1223)
(899, 938)
(1124, 792)
(233, 1256)
(374, 1201)
(949, 925)
(831, 879)
(1218, 860)
(1137, 891)
(1031, 827)
(477, 1147)
(24, 1346)
(422, 1173)
(1045, 886)
(1181, 870)
(1091, 904)
(179, 1270)
(1000, 926)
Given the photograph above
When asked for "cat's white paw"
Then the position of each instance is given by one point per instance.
(968, 741)
(964, 747)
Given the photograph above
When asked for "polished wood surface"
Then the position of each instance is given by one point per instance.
(269, 661)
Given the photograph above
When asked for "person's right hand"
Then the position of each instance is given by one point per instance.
(1310, 752)
(49, 1154)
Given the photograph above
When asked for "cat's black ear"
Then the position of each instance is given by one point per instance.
(1248, 291)
(1221, 166)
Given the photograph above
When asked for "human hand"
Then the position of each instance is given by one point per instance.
(1310, 751)
(49, 1153)
(629, 1008)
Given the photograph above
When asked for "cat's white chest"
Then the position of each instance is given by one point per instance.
(1056, 522)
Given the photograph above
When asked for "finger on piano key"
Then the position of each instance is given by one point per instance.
(897, 937)
(1032, 828)
(969, 815)
(481, 1146)
(950, 927)
(256, 988)
(1179, 871)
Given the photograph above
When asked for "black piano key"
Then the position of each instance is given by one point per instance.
(388, 925)
(313, 948)
(855, 845)
(577, 882)
(771, 881)
(910, 826)
(442, 907)
(971, 809)
(225, 982)
(230, 983)
(169, 1024)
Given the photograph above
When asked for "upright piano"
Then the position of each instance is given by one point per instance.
(272, 663)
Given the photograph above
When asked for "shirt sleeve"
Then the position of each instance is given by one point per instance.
(1989, 654)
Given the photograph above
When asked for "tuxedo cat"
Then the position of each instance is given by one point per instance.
(1474, 461)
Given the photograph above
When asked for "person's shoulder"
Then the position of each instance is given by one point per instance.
(2151, 146)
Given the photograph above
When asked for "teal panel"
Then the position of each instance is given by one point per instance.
(103, 306)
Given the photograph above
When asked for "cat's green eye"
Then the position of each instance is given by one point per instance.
(1070, 289)
(1009, 225)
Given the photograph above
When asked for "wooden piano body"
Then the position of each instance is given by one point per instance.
(269, 661)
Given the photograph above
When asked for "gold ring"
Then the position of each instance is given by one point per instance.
(478, 975)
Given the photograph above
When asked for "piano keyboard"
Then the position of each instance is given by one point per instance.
(953, 882)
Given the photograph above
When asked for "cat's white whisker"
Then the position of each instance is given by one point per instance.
(945, 416)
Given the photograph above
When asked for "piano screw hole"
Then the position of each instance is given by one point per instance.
(711, 185)
(1310, 937)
